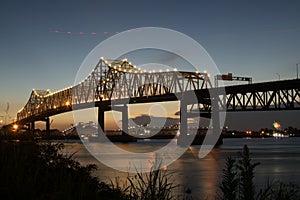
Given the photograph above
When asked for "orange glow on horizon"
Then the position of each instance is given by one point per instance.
(112, 118)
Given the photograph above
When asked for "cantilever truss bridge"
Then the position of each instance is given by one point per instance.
(121, 82)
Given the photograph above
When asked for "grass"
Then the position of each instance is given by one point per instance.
(155, 185)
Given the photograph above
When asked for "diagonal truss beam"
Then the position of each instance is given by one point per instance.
(113, 80)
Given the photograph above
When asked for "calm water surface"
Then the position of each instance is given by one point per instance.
(279, 158)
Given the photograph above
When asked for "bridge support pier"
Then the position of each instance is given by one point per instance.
(32, 126)
(216, 136)
(47, 120)
(183, 139)
(101, 112)
(124, 110)
(125, 137)
(125, 120)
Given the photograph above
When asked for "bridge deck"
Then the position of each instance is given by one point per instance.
(275, 95)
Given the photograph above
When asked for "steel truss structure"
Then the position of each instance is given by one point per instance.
(111, 80)
(277, 95)
(118, 79)
(268, 96)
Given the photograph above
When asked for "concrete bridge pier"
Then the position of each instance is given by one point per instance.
(101, 112)
(183, 139)
(216, 137)
(192, 137)
(125, 137)
(124, 110)
(47, 120)
(32, 126)
(124, 120)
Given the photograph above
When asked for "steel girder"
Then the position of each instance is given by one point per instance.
(275, 95)
(110, 80)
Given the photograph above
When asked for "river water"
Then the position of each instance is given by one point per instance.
(279, 160)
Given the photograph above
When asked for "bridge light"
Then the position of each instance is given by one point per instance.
(68, 103)
(208, 75)
(168, 70)
(15, 127)
(160, 70)
(205, 71)
(175, 69)
(197, 72)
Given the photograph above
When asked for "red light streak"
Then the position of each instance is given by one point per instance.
(83, 33)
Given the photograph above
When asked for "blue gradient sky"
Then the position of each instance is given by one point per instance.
(255, 38)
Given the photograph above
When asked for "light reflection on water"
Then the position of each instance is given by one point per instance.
(279, 158)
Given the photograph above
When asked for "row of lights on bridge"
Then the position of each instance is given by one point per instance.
(68, 103)
(135, 70)
(119, 68)
(49, 92)
(47, 95)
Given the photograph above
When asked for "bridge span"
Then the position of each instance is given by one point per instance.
(119, 82)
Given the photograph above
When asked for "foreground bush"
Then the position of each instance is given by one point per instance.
(237, 183)
(39, 171)
(30, 170)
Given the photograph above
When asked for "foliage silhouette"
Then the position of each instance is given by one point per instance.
(229, 183)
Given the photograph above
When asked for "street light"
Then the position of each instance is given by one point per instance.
(278, 76)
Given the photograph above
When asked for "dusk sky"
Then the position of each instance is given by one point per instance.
(41, 45)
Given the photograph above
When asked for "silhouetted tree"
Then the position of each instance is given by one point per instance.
(229, 183)
(246, 175)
